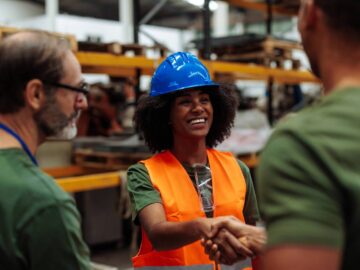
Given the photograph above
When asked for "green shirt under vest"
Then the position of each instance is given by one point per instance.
(143, 193)
(39, 223)
(309, 178)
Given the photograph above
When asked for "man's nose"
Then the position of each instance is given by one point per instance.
(81, 102)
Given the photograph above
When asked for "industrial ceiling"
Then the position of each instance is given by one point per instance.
(178, 14)
(175, 13)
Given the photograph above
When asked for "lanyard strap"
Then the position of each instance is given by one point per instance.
(21, 141)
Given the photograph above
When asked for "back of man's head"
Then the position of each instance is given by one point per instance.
(25, 56)
(342, 16)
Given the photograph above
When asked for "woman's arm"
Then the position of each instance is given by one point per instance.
(165, 235)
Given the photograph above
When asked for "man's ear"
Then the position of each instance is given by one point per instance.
(308, 14)
(34, 94)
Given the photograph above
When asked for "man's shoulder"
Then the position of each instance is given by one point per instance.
(30, 184)
(296, 125)
(337, 111)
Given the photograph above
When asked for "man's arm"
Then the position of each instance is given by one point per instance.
(297, 257)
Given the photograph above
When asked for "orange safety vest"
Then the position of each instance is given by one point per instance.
(181, 203)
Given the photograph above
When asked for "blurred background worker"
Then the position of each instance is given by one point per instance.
(309, 176)
(41, 94)
(187, 187)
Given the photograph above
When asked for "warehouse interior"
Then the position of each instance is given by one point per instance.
(252, 46)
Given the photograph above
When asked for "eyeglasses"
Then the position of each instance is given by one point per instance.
(83, 88)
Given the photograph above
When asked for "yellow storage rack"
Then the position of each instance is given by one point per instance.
(87, 179)
(124, 66)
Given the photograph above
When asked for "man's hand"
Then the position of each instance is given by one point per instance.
(231, 240)
(225, 248)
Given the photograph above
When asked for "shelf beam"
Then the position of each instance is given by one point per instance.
(256, 72)
(256, 5)
(114, 64)
(72, 170)
(111, 60)
(89, 182)
(109, 63)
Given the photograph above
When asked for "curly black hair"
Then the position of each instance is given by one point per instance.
(152, 118)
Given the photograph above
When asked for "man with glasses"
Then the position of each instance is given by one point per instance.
(41, 94)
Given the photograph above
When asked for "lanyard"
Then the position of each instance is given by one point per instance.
(21, 141)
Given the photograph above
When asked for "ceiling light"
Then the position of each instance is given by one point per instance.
(200, 3)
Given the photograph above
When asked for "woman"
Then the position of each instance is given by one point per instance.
(184, 117)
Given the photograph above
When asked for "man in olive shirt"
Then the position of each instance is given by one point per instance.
(309, 176)
(41, 95)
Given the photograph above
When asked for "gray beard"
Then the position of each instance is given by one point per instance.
(68, 133)
(53, 123)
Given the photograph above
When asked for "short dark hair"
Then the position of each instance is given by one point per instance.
(25, 56)
(152, 118)
(342, 15)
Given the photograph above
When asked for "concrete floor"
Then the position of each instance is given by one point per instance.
(114, 256)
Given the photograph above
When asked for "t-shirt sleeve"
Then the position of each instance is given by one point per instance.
(52, 239)
(250, 211)
(297, 201)
(141, 190)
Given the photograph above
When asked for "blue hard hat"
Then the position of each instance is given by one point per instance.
(180, 71)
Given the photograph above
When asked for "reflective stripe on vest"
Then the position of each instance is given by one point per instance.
(181, 203)
(244, 265)
(191, 267)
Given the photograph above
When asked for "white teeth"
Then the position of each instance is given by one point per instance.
(196, 121)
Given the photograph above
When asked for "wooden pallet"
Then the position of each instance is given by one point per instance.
(290, 5)
(277, 60)
(71, 39)
(117, 48)
(269, 52)
(107, 160)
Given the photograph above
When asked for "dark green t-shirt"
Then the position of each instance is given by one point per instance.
(143, 193)
(39, 223)
(309, 177)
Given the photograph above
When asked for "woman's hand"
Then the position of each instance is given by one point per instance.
(231, 240)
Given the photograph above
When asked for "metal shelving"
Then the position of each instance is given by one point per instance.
(118, 65)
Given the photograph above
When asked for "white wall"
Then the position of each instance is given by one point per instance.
(108, 31)
(12, 11)
(38, 22)
(82, 27)
(172, 38)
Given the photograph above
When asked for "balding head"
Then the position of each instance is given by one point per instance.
(25, 56)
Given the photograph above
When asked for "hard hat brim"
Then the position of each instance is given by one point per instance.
(212, 85)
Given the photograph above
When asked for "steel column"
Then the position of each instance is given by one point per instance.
(207, 30)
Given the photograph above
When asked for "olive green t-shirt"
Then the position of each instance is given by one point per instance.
(39, 223)
(143, 193)
(309, 177)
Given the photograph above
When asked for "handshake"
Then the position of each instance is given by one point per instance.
(227, 239)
